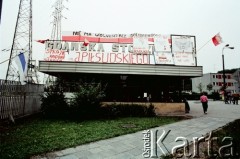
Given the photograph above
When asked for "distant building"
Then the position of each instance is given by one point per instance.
(216, 80)
(236, 76)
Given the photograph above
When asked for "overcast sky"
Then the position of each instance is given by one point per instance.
(201, 18)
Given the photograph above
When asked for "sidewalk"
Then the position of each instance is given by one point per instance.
(131, 146)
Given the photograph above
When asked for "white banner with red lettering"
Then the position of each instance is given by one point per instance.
(140, 45)
(163, 58)
(94, 52)
(184, 58)
(162, 43)
(120, 48)
(182, 44)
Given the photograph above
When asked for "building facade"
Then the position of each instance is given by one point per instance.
(236, 76)
(134, 67)
(216, 80)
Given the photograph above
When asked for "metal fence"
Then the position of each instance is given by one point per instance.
(18, 100)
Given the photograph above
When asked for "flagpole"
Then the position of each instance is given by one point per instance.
(206, 43)
(203, 45)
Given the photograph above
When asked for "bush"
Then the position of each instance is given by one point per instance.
(54, 104)
(215, 96)
(128, 110)
(86, 101)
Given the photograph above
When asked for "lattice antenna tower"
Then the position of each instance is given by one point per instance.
(22, 41)
(57, 20)
(56, 30)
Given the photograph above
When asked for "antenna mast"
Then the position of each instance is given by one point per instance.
(22, 43)
(56, 33)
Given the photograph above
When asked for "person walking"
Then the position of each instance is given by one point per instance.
(236, 98)
(187, 107)
(204, 101)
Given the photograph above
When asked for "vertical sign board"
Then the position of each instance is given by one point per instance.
(183, 50)
(140, 45)
(162, 52)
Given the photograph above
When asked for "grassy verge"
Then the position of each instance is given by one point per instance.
(215, 146)
(37, 136)
(228, 147)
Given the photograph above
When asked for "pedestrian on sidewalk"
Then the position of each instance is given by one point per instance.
(187, 107)
(235, 98)
(204, 101)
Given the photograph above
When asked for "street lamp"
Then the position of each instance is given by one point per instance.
(224, 77)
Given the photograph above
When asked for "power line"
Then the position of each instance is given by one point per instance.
(7, 59)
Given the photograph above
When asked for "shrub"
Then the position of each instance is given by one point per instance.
(54, 104)
(215, 96)
(128, 110)
(86, 100)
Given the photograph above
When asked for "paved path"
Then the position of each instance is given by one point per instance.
(131, 146)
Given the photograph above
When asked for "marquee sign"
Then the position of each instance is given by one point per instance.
(120, 48)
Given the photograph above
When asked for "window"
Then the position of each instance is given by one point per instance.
(219, 76)
(229, 84)
(220, 83)
(214, 84)
(213, 76)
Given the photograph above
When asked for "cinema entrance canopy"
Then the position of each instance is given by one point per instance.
(133, 66)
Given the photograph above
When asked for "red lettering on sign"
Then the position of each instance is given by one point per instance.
(98, 57)
(118, 58)
(84, 55)
(125, 60)
(112, 57)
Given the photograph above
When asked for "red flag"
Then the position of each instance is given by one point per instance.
(86, 42)
(217, 39)
(41, 41)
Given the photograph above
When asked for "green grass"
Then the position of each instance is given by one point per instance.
(37, 136)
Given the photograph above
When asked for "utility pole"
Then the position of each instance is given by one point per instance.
(224, 76)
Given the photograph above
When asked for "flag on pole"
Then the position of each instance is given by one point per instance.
(217, 39)
(22, 64)
(41, 41)
(86, 42)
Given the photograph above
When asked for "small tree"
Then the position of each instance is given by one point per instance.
(200, 87)
(88, 97)
(54, 103)
(209, 87)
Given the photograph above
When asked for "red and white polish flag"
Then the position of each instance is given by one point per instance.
(42, 41)
(86, 42)
(217, 39)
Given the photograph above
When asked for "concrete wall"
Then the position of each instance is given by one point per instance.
(169, 109)
(33, 98)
